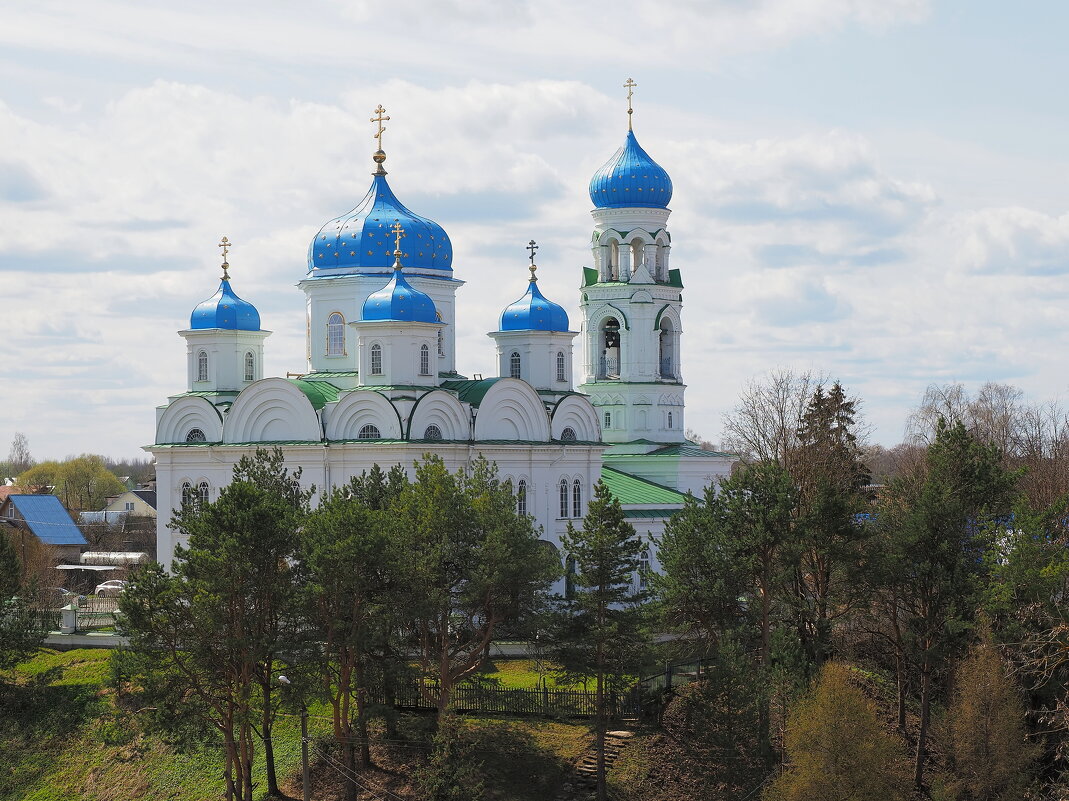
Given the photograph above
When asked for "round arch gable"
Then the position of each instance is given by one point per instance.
(669, 311)
(598, 316)
(442, 409)
(272, 410)
(188, 413)
(354, 410)
(512, 410)
(577, 413)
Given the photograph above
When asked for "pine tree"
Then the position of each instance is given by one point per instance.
(598, 633)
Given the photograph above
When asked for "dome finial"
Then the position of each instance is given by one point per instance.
(629, 86)
(379, 155)
(398, 232)
(532, 247)
(225, 245)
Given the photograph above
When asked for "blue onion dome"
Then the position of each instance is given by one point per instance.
(631, 179)
(224, 309)
(534, 312)
(360, 240)
(400, 301)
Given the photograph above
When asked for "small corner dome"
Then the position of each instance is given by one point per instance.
(401, 302)
(226, 310)
(534, 312)
(631, 179)
(360, 241)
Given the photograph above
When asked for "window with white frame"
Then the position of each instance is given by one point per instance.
(424, 360)
(577, 498)
(564, 497)
(432, 432)
(129, 506)
(669, 419)
(202, 366)
(514, 365)
(187, 493)
(369, 431)
(203, 490)
(376, 359)
(335, 335)
(250, 366)
(608, 419)
(560, 366)
(195, 435)
(568, 434)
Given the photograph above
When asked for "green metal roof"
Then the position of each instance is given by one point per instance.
(320, 393)
(632, 490)
(688, 450)
(649, 514)
(471, 391)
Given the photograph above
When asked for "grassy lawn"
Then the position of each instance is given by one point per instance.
(63, 738)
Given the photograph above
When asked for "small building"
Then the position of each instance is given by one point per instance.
(44, 517)
(136, 503)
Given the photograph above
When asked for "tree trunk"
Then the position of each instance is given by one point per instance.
(361, 717)
(269, 749)
(599, 733)
(922, 734)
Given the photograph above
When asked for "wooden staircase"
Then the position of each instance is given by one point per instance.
(587, 768)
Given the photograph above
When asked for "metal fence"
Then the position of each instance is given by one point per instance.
(467, 697)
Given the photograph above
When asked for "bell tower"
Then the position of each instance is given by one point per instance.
(632, 301)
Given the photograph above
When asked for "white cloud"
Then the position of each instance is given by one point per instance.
(1013, 241)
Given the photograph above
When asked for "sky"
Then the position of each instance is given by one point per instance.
(876, 191)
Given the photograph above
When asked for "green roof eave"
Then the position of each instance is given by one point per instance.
(650, 514)
(471, 391)
(319, 393)
(629, 489)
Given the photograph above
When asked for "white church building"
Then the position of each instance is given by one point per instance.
(382, 385)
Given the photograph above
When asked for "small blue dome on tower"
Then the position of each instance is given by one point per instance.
(534, 312)
(359, 241)
(400, 301)
(224, 309)
(631, 179)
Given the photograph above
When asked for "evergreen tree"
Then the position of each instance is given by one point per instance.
(350, 597)
(21, 628)
(209, 634)
(598, 633)
(935, 527)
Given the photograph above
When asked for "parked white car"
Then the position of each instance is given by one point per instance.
(110, 589)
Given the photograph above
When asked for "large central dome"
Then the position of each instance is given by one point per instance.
(631, 179)
(359, 242)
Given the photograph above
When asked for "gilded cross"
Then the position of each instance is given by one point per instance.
(225, 245)
(532, 247)
(630, 87)
(380, 118)
(398, 232)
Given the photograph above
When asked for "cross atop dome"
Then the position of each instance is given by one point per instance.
(629, 86)
(225, 245)
(532, 247)
(380, 155)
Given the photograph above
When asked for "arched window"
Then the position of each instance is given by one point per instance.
(187, 493)
(514, 365)
(376, 359)
(609, 366)
(569, 578)
(659, 275)
(644, 569)
(560, 366)
(568, 435)
(669, 419)
(202, 492)
(195, 435)
(637, 251)
(564, 497)
(521, 497)
(369, 432)
(432, 432)
(614, 261)
(666, 346)
(335, 335)
(250, 366)
(608, 419)
(441, 343)
(577, 499)
(202, 366)
(424, 360)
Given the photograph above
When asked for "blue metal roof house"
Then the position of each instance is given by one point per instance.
(45, 518)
